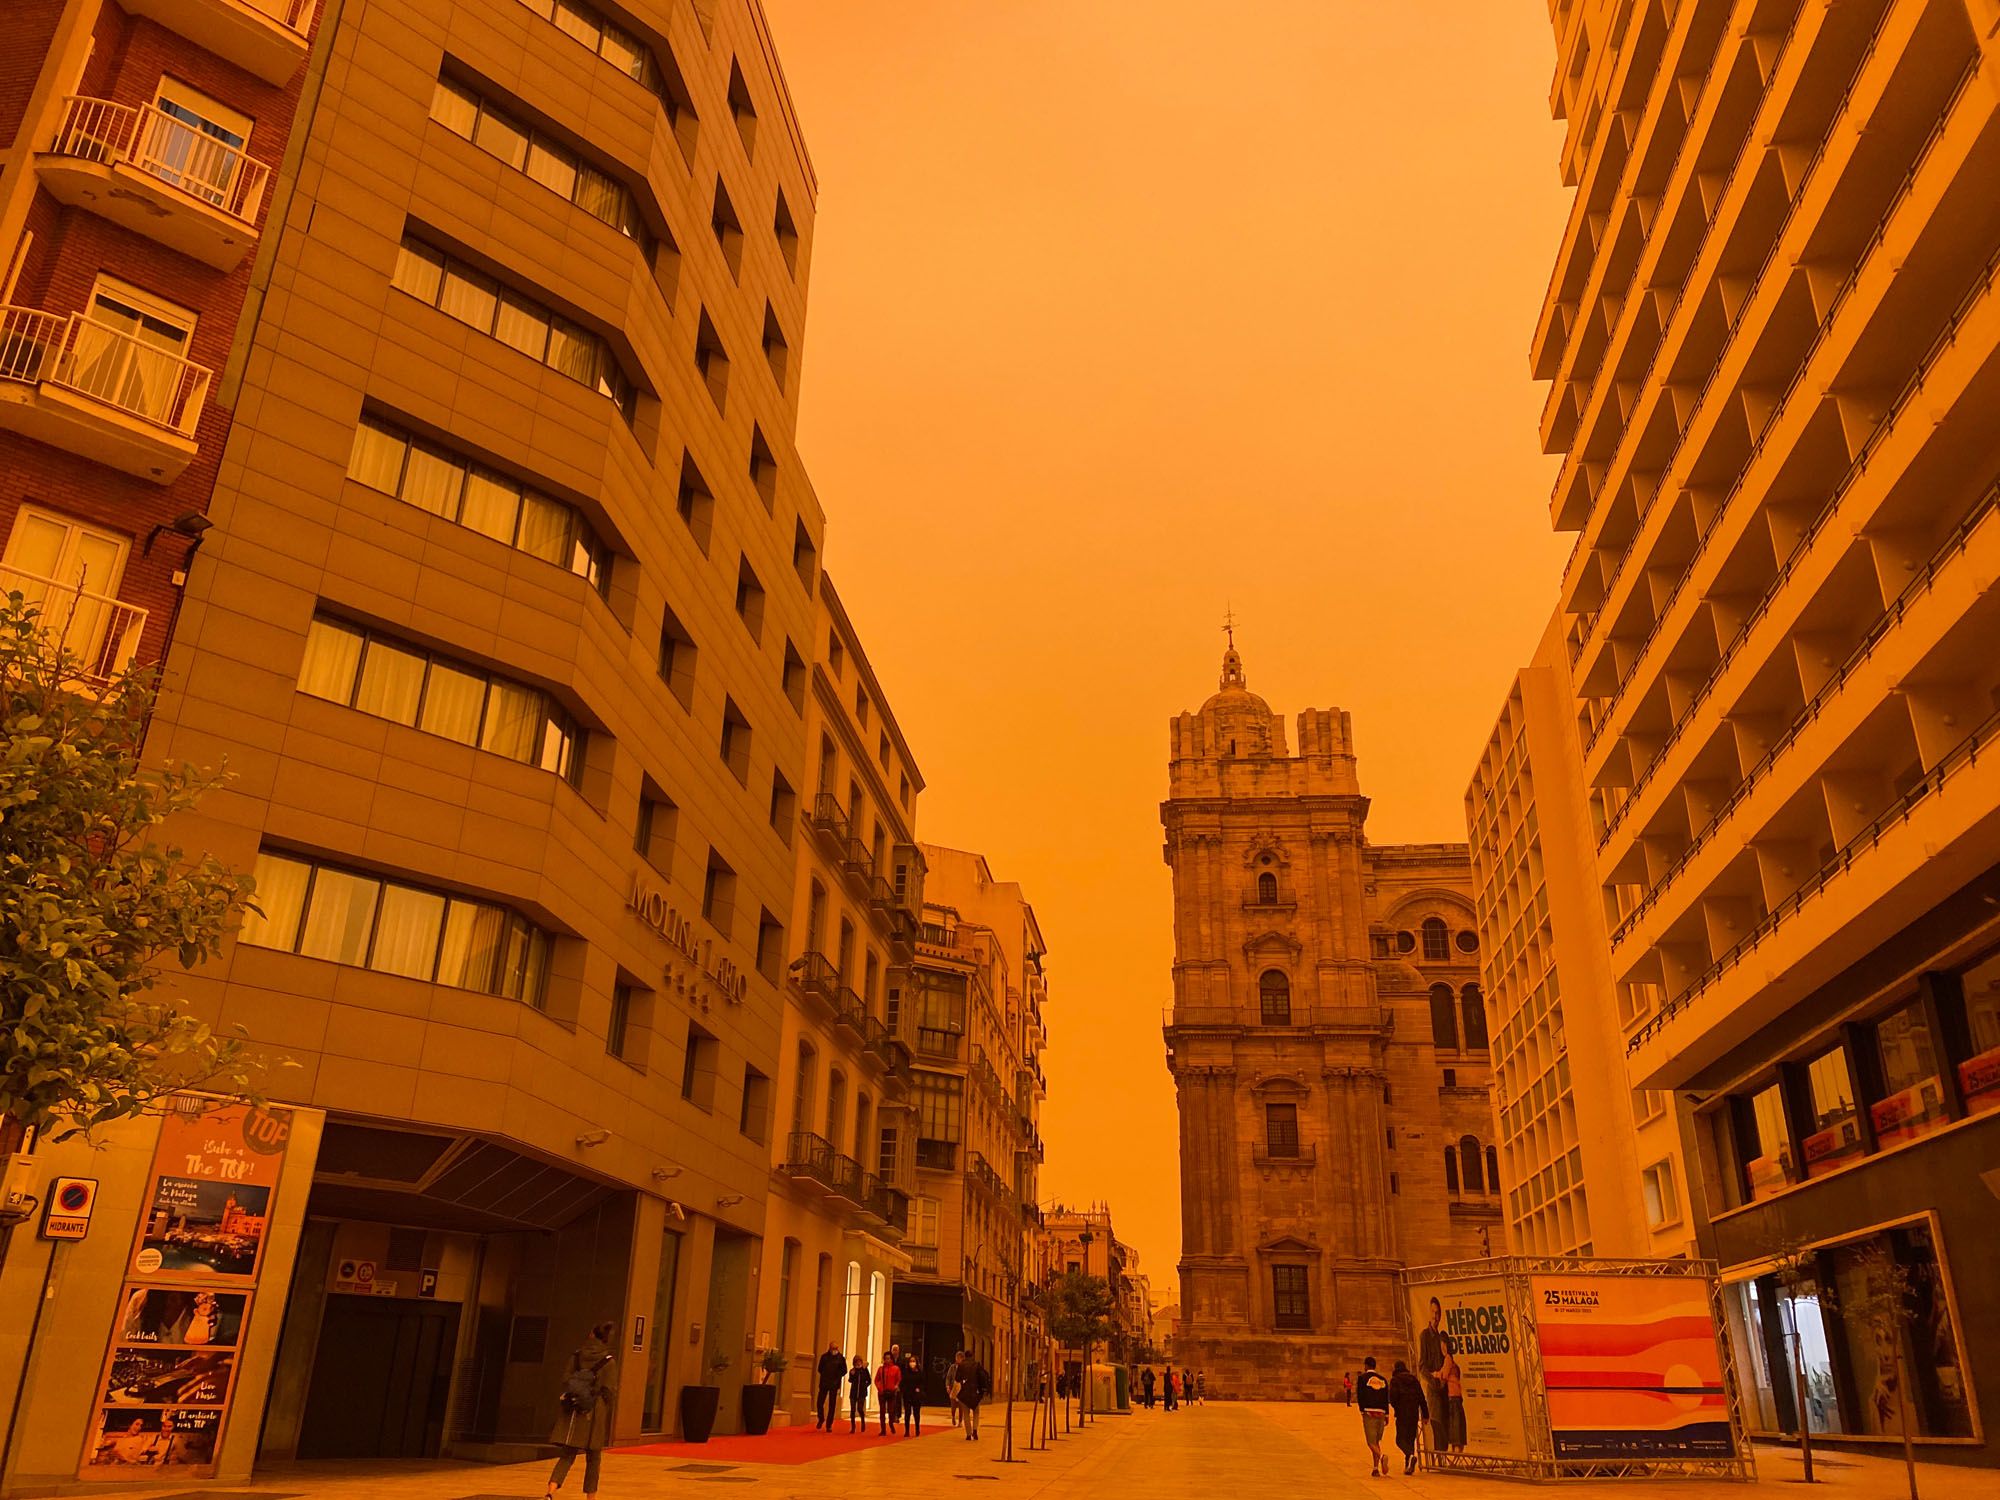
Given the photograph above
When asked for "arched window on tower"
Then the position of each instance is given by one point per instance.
(1444, 1017)
(1267, 889)
(1450, 1171)
(1471, 1166)
(1475, 1019)
(1274, 997)
(1492, 1170)
(1437, 941)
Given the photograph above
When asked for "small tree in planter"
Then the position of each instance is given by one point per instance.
(699, 1403)
(761, 1399)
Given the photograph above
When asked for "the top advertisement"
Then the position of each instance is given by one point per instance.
(210, 1195)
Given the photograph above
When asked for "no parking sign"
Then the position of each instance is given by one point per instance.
(67, 1213)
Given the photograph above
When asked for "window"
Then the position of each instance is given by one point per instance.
(629, 55)
(784, 806)
(718, 893)
(1471, 1165)
(836, 1106)
(923, 1221)
(805, 562)
(741, 110)
(196, 144)
(1274, 998)
(1493, 1171)
(787, 232)
(711, 362)
(1450, 1171)
(749, 600)
(71, 572)
(939, 1099)
(1656, 1184)
(677, 658)
(770, 945)
(802, 1089)
(346, 917)
(390, 680)
(815, 917)
(728, 230)
(129, 352)
(482, 303)
(534, 153)
(1291, 1305)
(694, 503)
(763, 469)
(1437, 941)
(1468, 942)
(653, 837)
(1475, 1018)
(1979, 1074)
(481, 499)
(1281, 1130)
(792, 678)
(753, 1114)
(861, 705)
(1836, 1124)
(698, 1067)
(1912, 1102)
(1444, 1018)
(734, 744)
(836, 654)
(777, 352)
(1764, 1142)
(788, 1260)
(1267, 889)
(887, 1167)
(620, 1021)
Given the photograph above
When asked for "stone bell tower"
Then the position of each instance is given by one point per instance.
(1308, 1085)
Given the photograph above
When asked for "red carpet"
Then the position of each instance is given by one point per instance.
(781, 1445)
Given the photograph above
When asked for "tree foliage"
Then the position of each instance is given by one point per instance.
(94, 908)
(1076, 1309)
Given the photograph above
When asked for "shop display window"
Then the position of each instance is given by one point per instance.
(1836, 1123)
(1767, 1155)
(1979, 1073)
(1912, 1102)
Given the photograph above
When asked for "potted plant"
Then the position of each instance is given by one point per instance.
(699, 1404)
(761, 1399)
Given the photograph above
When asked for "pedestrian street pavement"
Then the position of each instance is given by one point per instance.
(1232, 1450)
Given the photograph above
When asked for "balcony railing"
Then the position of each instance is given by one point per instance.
(937, 1156)
(849, 1010)
(923, 1259)
(106, 364)
(814, 1158)
(181, 155)
(858, 861)
(829, 817)
(882, 895)
(815, 975)
(101, 632)
(940, 1042)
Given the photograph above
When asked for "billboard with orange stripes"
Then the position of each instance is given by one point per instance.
(1631, 1367)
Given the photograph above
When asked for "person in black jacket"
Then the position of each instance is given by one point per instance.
(1406, 1400)
(832, 1369)
(912, 1392)
(1372, 1396)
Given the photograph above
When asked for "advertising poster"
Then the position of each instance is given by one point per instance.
(1631, 1367)
(170, 1370)
(1466, 1344)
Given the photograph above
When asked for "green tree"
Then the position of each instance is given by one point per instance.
(94, 907)
(1076, 1309)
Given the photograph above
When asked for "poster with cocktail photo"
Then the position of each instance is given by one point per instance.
(190, 1316)
(126, 1438)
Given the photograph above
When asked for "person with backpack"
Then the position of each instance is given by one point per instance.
(583, 1422)
(888, 1387)
(857, 1396)
(1371, 1394)
(831, 1369)
(974, 1386)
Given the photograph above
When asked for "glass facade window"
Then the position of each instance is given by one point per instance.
(464, 112)
(1979, 1073)
(1912, 1102)
(349, 917)
(390, 680)
(1767, 1153)
(476, 299)
(1836, 1123)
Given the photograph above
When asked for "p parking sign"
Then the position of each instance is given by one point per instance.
(66, 1215)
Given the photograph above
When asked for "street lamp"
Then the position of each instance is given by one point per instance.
(1084, 1406)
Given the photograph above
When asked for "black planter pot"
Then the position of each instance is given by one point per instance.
(698, 1407)
(759, 1401)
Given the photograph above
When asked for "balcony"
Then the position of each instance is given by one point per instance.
(815, 977)
(923, 1259)
(882, 896)
(829, 820)
(813, 1159)
(101, 632)
(850, 1011)
(903, 926)
(156, 174)
(937, 1156)
(858, 862)
(1303, 1155)
(95, 391)
(940, 1044)
(265, 37)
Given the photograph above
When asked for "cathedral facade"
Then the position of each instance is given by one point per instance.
(1329, 1052)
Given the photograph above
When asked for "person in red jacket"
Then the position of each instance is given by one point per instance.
(888, 1385)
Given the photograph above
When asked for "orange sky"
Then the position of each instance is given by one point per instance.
(1126, 310)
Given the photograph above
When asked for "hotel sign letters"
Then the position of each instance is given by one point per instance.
(704, 969)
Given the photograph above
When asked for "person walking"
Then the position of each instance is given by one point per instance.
(583, 1424)
(951, 1388)
(1173, 1383)
(831, 1368)
(974, 1385)
(912, 1392)
(857, 1396)
(888, 1386)
(1453, 1436)
(1406, 1400)
(1146, 1386)
(1372, 1396)
(1347, 1390)
(1201, 1387)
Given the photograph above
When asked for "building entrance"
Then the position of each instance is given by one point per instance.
(381, 1377)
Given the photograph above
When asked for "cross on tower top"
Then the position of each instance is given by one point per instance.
(1229, 626)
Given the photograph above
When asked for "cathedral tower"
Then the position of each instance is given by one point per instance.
(1328, 1048)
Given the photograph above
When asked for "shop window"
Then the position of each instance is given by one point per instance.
(1836, 1123)
(1912, 1102)
(1764, 1143)
(1979, 1074)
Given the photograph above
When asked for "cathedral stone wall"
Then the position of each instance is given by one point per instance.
(1315, 1105)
